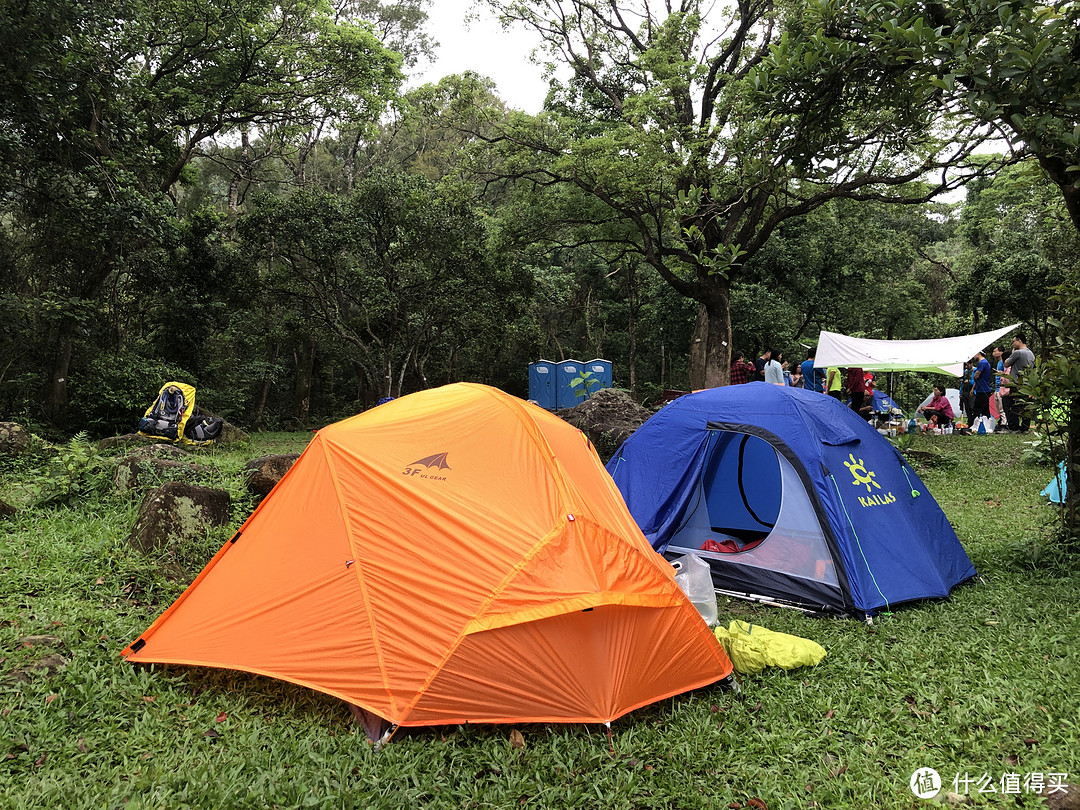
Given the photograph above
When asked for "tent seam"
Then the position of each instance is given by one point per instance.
(372, 625)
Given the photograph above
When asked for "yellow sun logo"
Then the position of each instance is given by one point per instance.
(860, 473)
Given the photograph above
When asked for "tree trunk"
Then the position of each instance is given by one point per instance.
(699, 343)
(264, 393)
(305, 371)
(710, 353)
(56, 398)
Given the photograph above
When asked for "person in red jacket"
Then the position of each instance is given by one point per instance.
(856, 386)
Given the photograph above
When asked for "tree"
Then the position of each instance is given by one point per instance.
(102, 110)
(678, 124)
(396, 271)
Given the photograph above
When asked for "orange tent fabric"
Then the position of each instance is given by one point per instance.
(456, 555)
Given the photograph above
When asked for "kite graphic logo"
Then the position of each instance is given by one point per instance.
(428, 467)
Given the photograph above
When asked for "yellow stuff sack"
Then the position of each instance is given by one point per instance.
(752, 647)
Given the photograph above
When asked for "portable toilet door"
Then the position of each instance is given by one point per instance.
(566, 395)
(599, 370)
(542, 384)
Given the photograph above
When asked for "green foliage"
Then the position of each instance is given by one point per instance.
(73, 473)
(584, 384)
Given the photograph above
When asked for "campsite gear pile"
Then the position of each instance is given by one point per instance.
(455, 555)
(752, 648)
(174, 417)
(791, 498)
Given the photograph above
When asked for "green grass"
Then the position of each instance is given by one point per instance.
(983, 682)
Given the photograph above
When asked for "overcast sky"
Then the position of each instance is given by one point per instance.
(481, 45)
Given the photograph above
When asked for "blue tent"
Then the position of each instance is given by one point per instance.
(791, 497)
(883, 403)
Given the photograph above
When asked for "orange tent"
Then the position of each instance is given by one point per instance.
(456, 555)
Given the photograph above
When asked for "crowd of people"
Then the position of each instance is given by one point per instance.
(987, 391)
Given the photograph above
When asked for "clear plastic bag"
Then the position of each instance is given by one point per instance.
(694, 576)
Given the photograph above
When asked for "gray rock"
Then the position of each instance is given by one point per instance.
(125, 440)
(14, 439)
(35, 641)
(176, 512)
(137, 472)
(263, 473)
(231, 434)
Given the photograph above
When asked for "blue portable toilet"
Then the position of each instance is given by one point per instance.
(600, 371)
(566, 395)
(542, 384)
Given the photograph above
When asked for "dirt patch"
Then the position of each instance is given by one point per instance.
(608, 418)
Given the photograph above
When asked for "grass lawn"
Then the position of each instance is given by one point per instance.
(984, 683)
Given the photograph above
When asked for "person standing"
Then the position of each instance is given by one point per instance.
(983, 380)
(813, 378)
(1020, 359)
(774, 372)
(856, 387)
(741, 371)
(834, 383)
(995, 401)
(760, 363)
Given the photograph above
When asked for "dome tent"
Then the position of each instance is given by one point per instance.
(791, 497)
(455, 555)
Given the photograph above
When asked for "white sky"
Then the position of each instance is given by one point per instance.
(483, 46)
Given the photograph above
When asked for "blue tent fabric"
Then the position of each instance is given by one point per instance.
(883, 403)
(890, 541)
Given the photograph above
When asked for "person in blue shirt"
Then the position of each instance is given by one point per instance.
(813, 378)
(984, 385)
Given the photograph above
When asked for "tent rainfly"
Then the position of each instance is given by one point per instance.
(946, 355)
(456, 555)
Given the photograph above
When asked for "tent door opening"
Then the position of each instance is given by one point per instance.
(753, 520)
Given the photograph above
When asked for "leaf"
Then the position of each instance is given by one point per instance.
(829, 714)
(758, 803)
(517, 740)
(81, 745)
(51, 698)
(41, 760)
(221, 718)
(212, 733)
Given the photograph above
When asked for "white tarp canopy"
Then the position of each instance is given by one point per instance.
(946, 355)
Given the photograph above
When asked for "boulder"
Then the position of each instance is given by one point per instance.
(137, 471)
(231, 434)
(176, 512)
(14, 439)
(262, 474)
(159, 450)
(125, 440)
(608, 418)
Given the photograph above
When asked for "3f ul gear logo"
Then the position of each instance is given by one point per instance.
(428, 467)
(860, 473)
(865, 477)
